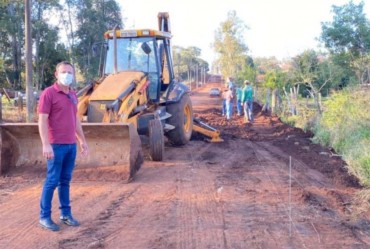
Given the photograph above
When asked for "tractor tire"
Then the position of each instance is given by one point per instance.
(156, 140)
(182, 119)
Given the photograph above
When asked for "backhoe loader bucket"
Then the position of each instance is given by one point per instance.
(205, 129)
(115, 151)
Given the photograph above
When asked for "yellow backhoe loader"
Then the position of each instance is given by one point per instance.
(136, 96)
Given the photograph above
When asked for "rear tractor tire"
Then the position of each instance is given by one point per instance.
(182, 119)
(156, 140)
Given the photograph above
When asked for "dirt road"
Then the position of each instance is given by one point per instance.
(242, 193)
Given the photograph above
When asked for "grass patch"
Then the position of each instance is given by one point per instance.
(10, 112)
(345, 126)
(360, 204)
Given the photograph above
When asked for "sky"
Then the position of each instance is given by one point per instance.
(280, 28)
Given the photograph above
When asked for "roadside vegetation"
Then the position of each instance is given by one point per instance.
(11, 112)
(322, 92)
(345, 126)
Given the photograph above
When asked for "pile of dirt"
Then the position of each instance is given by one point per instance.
(291, 140)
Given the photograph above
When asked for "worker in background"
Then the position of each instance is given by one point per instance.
(230, 82)
(59, 129)
(239, 105)
(247, 100)
(223, 97)
(229, 98)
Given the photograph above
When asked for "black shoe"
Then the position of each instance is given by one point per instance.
(69, 220)
(49, 224)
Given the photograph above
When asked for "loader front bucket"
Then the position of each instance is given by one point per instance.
(115, 151)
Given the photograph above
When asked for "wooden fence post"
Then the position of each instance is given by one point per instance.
(20, 103)
(34, 102)
(6, 94)
(1, 108)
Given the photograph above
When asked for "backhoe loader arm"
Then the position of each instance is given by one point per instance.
(164, 22)
(207, 130)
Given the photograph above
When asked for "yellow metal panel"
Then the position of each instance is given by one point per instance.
(114, 85)
(137, 33)
(114, 149)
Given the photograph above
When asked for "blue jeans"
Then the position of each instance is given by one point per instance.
(239, 107)
(248, 110)
(223, 107)
(59, 174)
(229, 109)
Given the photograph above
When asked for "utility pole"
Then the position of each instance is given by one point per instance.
(189, 76)
(197, 75)
(178, 65)
(201, 75)
(29, 85)
(205, 76)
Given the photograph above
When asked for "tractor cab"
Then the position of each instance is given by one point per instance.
(146, 51)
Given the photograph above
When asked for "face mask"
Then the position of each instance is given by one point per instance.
(66, 78)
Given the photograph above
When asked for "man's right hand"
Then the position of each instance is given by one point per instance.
(47, 151)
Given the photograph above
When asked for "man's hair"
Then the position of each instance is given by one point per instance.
(64, 63)
(246, 82)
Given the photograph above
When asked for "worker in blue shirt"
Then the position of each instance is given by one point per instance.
(239, 103)
(223, 109)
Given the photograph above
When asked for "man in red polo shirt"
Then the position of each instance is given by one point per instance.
(59, 129)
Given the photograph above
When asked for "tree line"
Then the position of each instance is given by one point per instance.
(68, 30)
(344, 61)
(61, 30)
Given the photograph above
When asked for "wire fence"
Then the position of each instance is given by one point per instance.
(14, 110)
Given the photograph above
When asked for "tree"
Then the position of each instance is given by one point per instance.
(29, 83)
(229, 45)
(12, 40)
(177, 61)
(349, 34)
(343, 75)
(94, 18)
(266, 64)
(46, 51)
(45, 39)
(188, 64)
(312, 73)
(274, 82)
(247, 73)
(91, 19)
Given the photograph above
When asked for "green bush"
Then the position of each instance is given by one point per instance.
(322, 136)
(290, 120)
(306, 118)
(345, 126)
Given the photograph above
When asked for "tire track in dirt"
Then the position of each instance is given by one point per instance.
(98, 230)
(200, 215)
(140, 218)
(269, 165)
(242, 182)
(310, 230)
(154, 204)
(15, 219)
(306, 176)
(236, 179)
(311, 182)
